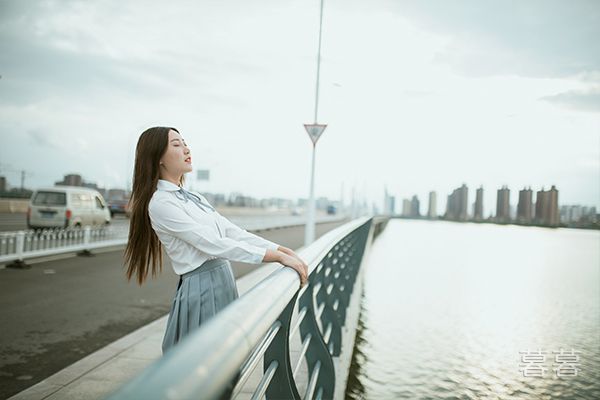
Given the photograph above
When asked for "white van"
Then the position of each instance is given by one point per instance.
(66, 206)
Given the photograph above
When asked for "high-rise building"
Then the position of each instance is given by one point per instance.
(576, 214)
(432, 211)
(553, 215)
(503, 205)
(546, 207)
(525, 206)
(540, 201)
(415, 210)
(478, 205)
(406, 208)
(570, 214)
(456, 207)
(389, 203)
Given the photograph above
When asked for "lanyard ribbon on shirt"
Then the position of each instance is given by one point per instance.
(198, 201)
(191, 196)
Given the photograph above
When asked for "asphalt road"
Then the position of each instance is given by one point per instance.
(59, 311)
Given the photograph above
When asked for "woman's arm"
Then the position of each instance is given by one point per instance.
(235, 232)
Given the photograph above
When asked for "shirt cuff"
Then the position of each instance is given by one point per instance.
(272, 245)
(260, 256)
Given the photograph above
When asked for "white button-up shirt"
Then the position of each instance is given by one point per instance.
(191, 235)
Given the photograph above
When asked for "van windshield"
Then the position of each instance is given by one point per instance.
(50, 199)
(82, 200)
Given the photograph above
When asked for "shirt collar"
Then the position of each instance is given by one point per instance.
(166, 185)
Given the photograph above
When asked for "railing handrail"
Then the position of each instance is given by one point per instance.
(210, 357)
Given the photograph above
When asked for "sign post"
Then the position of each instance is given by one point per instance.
(314, 131)
(202, 175)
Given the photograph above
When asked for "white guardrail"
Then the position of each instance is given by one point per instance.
(17, 246)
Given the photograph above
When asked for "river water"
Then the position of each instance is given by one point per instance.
(471, 311)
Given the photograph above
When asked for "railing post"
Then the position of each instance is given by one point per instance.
(317, 355)
(20, 245)
(87, 234)
(282, 386)
(19, 252)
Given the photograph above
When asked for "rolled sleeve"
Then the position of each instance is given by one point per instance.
(235, 232)
(168, 217)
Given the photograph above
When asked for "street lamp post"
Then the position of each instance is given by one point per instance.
(314, 131)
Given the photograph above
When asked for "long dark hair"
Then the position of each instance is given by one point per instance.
(143, 246)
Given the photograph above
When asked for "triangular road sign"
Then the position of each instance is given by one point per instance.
(315, 131)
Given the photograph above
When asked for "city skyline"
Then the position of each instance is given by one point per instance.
(467, 210)
(544, 210)
(418, 95)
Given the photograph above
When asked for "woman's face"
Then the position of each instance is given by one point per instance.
(177, 158)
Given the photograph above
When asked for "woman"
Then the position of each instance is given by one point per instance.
(198, 240)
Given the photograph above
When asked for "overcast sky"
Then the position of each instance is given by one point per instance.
(417, 96)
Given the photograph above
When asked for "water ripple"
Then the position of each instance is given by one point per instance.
(450, 323)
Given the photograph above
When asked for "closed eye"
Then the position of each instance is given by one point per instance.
(176, 144)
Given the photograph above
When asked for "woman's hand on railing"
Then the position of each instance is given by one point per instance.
(289, 261)
(298, 265)
(291, 252)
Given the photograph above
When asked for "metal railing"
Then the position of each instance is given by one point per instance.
(18, 246)
(216, 360)
(21, 245)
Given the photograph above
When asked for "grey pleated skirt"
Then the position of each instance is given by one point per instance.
(200, 294)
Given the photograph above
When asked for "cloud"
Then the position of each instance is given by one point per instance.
(418, 93)
(34, 71)
(77, 50)
(583, 100)
(237, 78)
(39, 138)
(540, 39)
